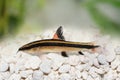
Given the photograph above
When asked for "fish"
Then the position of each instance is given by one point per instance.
(57, 44)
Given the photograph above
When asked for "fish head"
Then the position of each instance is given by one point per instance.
(29, 50)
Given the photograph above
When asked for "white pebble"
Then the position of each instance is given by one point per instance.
(29, 78)
(115, 63)
(106, 68)
(87, 54)
(110, 53)
(89, 78)
(65, 76)
(92, 58)
(1, 78)
(46, 66)
(102, 59)
(15, 77)
(10, 59)
(58, 60)
(92, 72)
(83, 59)
(96, 63)
(74, 60)
(111, 75)
(26, 73)
(33, 62)
(98, 78)
(99, 71)
(19, 68)
(79, 67)
(64, 68)
(86, 67)
(117, 50)
(5, 75)
(84, 75)
(72, 70)
(117, 78)
(91, 62)
(3, 66)
(78, 74)
(46, 78)
(37, 75)
(12, 68)
(53, 75)
(118, 68)
(110, 57)
(82, 67)
(20, 64)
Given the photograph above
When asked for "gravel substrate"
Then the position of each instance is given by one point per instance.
(52, 66)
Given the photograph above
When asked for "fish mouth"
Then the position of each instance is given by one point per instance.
(20, 49)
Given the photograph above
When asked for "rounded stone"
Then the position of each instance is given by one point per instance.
(102, 59)
(57, 60)
(65, 76)
(115, 63)
(26, 73)
(33, 62)
(3, 66)
(84, 75)
(96, 63)
(78, 74)
(117, 50)
(45, 66)
(99, 71)
(12, 68)
(46, 78)
(15, 77)
(79, 67)
(54, 75)
(118, 68)
(90, 78)
(5, 75)
(37, 75)
(29, 78)
(74, 60)
(64, 68)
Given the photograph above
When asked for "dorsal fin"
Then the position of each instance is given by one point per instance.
(59, 34)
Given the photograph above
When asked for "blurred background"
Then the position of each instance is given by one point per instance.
(24, 16)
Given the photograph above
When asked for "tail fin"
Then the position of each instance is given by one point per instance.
(59, 34)
(96, 49)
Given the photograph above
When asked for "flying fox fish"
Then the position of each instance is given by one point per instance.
(57, 44)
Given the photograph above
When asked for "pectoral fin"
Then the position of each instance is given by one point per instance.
(64, 54)
(80, 53)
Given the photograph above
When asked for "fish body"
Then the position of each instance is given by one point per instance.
(57, 44)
